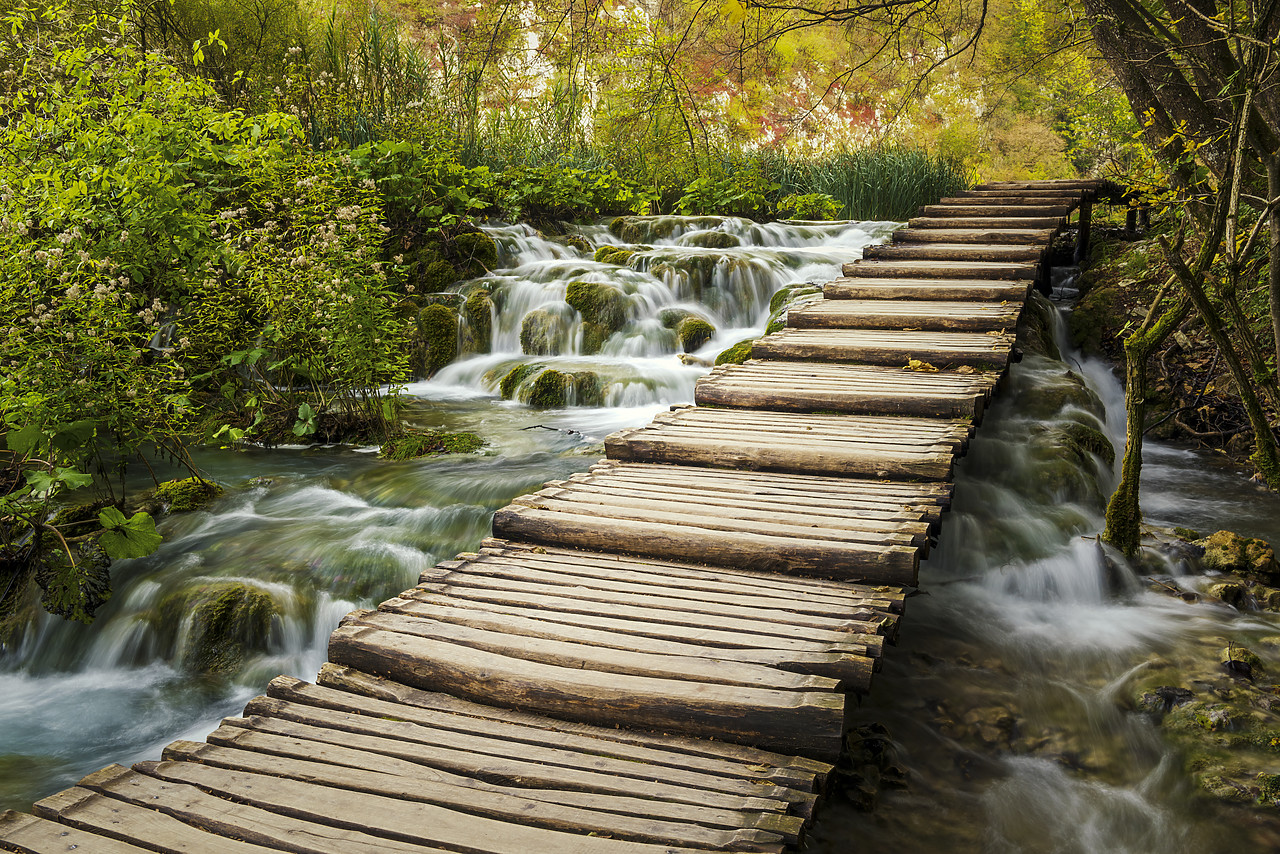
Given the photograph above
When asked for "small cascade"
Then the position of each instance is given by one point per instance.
(631, 313)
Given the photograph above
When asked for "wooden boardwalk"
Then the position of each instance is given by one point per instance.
(654, 655)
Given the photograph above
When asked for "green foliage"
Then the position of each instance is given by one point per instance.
(412, 444)
(742, 192)
(809, 206)
(556, 191)
(135, 536)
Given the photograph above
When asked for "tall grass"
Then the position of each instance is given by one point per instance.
(887, 182)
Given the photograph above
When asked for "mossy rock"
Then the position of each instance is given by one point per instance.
(413, 444)
(476, 253)
(1089, 439)
(1094, 318)
(1243, 655)
(671, 318)
(1226, 551)
(693, 333)
(785, 295)
(477, 312)
(226, 622)
(438, 334)
(711, 240)
(737, 354)
(408, 307)
(615, 255)
(550, 390)
(435, 276)
(543, 333)
(1036, 327)
(1049, 396)
(191, 493)
(1233, 593)
(587, 389)
(634, 229)
(515, 378)
(578, 242)
(598, 303)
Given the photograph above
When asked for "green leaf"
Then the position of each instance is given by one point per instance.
(126, 538)
(25, 440)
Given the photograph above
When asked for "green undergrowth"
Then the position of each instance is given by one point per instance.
(413, 444)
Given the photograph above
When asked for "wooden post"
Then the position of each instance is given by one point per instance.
(1082, 232)
(1131, 220)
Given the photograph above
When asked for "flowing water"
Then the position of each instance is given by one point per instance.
(1001, 700)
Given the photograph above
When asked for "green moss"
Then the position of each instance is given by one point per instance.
(438, 332)
(577, 241)
(190, 493)
(737, 354)
(711, 240)
(475, 253)
(587, 388)
(785, 295)
(550, 390)
(542, 333)
(225, 622)
(777, 324)
(1088, 439)
(598, 303)
(1242, 654)
(1225, 551)
(436, 276)
(615, 255)
(478, 312)
(1036, 327)
(412, 444)
(693, 333)
(671, 318)
(515, 378)
(1268, 788)
(1186, 534)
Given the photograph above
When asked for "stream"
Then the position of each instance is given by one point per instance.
(998, 705)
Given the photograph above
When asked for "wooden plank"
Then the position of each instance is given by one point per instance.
(1016, 198)
(926, 269)
(779, 613)
(927, 315)
(165, 817)
(854, 561)
(887, 347)
(1053, 223)
(415, 823)
(328, 763)
(984, 252)
(612, 659)
(810, 594)
(364, 685)
(838, 426)
(850, 459)
(576, 812)
(1042, 236)
(852, 401)
(850, 672)
(249, 769)
(441, 748)
(1002, 210)
(31, 835)
(443, 712)
(681, 626)
(808, 723)
(861, 287)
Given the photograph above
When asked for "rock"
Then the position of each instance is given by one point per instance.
(671, 318)
(225, 622)
(1242, 655)
(603, 309)
(435, 275)
(577, 241)
(711, 240)
(785, 295)
(694, 332)
(192, 493)
(543, 332)
(515, 378)
(615, 255)
(1050, 395)
(438, 334)
(475, 253)
(448, 299)
(1233, 593)
(737, 354)
(586, 389)
(477, 314)
(1225, 551)
(550, 390)
(1094, 317)
(1163, 699)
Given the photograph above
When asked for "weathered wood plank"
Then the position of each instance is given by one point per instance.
(31, 835)
(926, 315)
(178, 819)
(360, 684)
(444, 712)
(808, 723)
(985, 252)
(567, 653)
(919, 234)
(328, 763)
(250, 769)
(907, 288)
(887, 347)
(411, 822)
(1001, 210)
(1053, 223)
(850, 672)
(925, 269)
